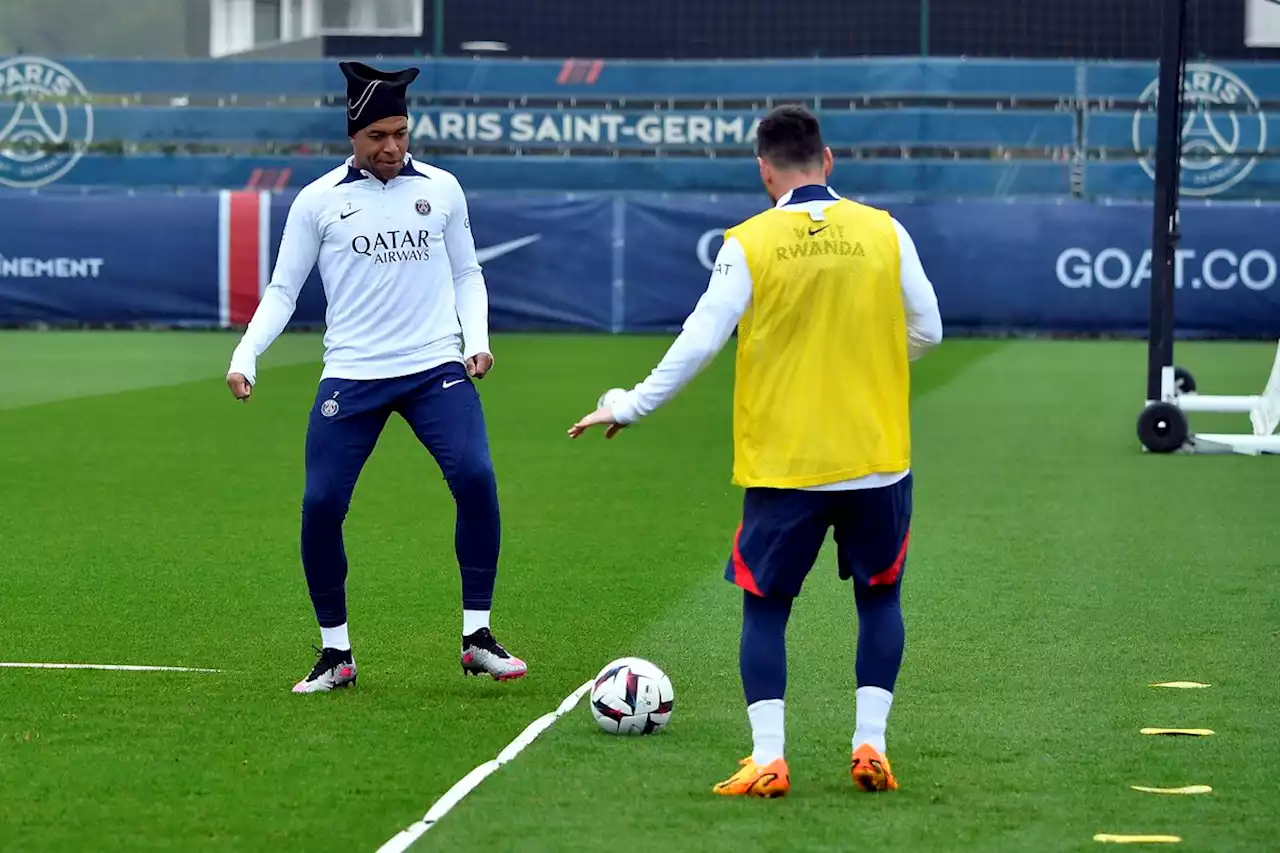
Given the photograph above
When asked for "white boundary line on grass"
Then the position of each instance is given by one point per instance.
(468, 783)
(111, 666)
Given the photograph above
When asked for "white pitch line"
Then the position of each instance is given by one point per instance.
(111, 666)
(468, 783)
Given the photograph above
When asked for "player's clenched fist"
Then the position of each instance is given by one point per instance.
(239, 386)
(479, 364)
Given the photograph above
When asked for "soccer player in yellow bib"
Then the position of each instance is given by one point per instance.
(831, 303)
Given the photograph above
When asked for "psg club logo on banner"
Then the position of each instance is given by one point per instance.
(44, 110)
(1224, 130)
(422, 206)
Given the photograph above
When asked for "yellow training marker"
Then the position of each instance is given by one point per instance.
(1184, 732)
(1179, 685)
(1137, 839)
(1188, 789)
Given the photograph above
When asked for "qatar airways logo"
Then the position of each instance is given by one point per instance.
(393, 247)
(1218, 269)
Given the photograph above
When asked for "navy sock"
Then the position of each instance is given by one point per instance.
(881, 635)
(324, 560)
(763, 653)
(478, 534)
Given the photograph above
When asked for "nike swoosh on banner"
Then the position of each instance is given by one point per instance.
(488, 253)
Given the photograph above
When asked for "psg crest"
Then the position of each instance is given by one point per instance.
(46, 121)
(1224, 130)
(422, 206)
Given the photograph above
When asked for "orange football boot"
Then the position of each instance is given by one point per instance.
(754, 780)
(870, 770)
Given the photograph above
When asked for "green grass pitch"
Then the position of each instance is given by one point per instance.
(147, 518)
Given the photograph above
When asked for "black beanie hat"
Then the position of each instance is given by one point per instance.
(373, 95)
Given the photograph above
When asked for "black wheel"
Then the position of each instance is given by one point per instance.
(1162, 428)
(1183, 380)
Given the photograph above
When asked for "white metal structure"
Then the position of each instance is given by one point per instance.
(1162, 425)
(1263, 409)
(240, 25)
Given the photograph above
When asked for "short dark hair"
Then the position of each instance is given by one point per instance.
(789, 137)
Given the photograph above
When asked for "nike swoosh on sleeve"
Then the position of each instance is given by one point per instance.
(488, 253)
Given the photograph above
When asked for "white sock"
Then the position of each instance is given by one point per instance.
(474, 620)
(873, 716)
(335, 638)
(766, 729)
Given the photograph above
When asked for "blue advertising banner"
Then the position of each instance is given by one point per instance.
(1049, 266)
(1078, 267)
(589, 128)
(844, 128)
(671, 244)
(550, 173)
(638, 262)
(109, 259)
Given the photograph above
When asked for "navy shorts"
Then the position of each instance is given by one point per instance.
(783, 530)
(441, 406)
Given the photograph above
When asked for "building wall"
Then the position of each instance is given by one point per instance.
(312, 48)
(198, 24)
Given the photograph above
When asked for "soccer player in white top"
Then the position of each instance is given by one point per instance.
(406, 332)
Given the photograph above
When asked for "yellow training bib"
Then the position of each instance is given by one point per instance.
(822, 376)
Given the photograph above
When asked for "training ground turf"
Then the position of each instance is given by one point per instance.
(1055, 570)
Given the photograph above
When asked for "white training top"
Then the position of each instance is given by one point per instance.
(399, 269)
(727, 296)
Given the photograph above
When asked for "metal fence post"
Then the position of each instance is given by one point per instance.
(437, 31)
(924, 27)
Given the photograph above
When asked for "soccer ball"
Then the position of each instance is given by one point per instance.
(631, 696)
(610, 397)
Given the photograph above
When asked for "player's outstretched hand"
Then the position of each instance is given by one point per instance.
(239, 386)
(602, 416)
(479, 364)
